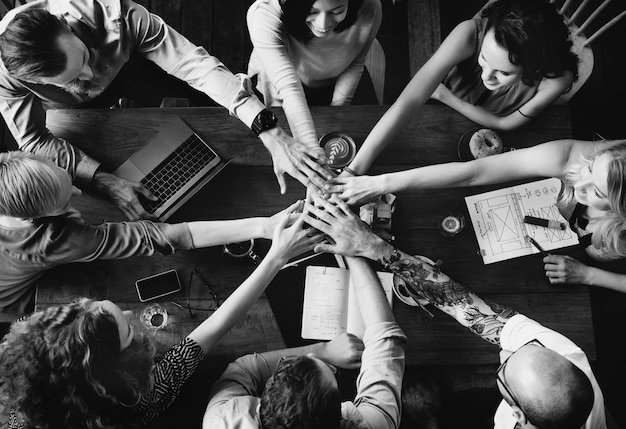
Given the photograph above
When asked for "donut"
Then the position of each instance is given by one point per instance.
(485, 142)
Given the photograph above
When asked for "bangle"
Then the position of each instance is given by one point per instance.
(351, 171)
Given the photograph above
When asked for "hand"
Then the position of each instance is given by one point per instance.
(124, 194)
(565, 269)
(355, 191)
(349, 235)
(292, 212)
(292, 241)
(343, 351)
(289, 156)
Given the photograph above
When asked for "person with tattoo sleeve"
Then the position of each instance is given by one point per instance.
(544, 378)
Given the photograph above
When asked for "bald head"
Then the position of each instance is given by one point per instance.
(553, 392)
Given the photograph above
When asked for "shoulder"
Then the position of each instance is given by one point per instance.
(371, 9)
(264, 12)
(460, 44)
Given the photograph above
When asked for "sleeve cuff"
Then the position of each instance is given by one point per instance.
(381, 331)
(85, 171)
(250, 106)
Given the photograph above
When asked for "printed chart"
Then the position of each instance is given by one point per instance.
(498, 220)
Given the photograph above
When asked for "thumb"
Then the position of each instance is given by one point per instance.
(280, 176)
(323, 248)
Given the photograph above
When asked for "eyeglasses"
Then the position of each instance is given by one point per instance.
(500, 374)
(213, 305)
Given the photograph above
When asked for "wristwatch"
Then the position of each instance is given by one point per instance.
(264, 121)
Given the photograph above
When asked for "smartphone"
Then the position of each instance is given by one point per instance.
(158, 285)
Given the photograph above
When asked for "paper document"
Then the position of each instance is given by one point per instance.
(498, 220)
(330, 303)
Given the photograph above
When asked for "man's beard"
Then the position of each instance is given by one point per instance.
(95, 86)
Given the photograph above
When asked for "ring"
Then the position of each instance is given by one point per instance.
(341, 189)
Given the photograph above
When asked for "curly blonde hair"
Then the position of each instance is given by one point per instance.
(609, 237)
(63, 367)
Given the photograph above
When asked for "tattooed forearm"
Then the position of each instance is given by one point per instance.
(484, 318)
(425, 281)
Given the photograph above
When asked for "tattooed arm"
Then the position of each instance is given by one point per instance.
(484, 318)
(351, 237)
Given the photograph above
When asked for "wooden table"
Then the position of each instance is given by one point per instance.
(248, 188)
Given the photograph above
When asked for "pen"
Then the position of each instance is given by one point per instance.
(534, 243)
(546, 223)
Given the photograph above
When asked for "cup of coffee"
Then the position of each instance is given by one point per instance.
(154, 317)
(243, 249)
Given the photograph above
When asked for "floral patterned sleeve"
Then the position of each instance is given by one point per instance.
(170, 374)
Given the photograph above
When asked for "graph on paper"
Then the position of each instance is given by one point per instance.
(498, 220)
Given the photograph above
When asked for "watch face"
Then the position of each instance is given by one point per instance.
(265, 120)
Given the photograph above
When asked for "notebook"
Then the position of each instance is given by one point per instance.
(174, 166)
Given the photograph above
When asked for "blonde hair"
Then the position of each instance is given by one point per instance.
(30, 186)
(610, 233)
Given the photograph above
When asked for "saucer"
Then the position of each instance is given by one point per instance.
(463, 149)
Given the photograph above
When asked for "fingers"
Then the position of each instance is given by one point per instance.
(280, 176)
(140, 189)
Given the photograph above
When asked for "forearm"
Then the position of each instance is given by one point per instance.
(215, 233)
(602, 278)
(481, 317)
(346, 84)
(383, 132)
(237, 304)
(370, 294)
(450, 175)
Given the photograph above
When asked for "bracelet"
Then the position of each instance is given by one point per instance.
(351, 171)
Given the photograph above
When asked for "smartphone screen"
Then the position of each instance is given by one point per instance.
(158, 285)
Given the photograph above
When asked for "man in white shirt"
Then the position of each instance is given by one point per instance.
(545, 379)
(297, 388)
(66, 53)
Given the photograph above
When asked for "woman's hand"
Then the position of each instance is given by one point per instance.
(271, 222)
(356, 191)
(288, 242)
(565, 269)
(343, 351)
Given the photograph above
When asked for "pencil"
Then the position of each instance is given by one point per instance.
(534, 243)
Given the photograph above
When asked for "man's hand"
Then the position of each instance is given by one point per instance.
(343, 351)
(294, 158)
(349, 235)
(124, 194)
(565, 269)
(355, 191)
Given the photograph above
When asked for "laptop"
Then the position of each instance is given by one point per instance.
(174, 166)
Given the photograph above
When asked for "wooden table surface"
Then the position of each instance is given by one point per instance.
(248, 188)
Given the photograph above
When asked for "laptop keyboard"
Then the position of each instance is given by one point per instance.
(176, 171)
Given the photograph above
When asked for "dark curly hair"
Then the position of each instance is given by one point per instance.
(296, 396)
(28, 46)
(536, 37)
(296, 11)
(63, 367)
